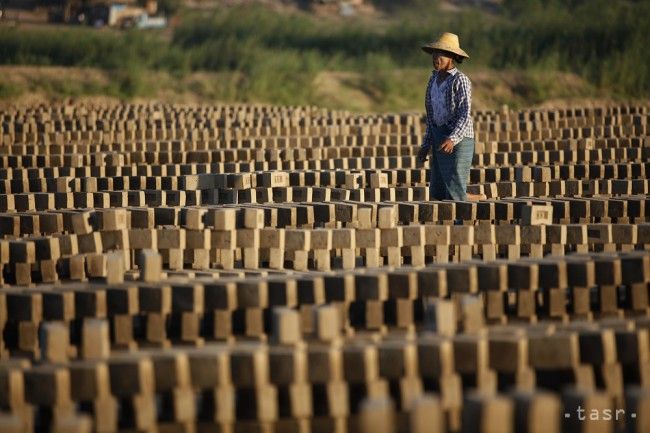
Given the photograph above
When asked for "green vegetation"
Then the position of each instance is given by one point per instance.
(260, 55)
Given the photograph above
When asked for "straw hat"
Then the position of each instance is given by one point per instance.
(446, 42)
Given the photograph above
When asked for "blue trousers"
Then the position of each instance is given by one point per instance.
(449, 171)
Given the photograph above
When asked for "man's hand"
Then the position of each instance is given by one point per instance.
(423, 153)
(447, 146)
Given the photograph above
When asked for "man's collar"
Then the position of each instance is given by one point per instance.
(452, 71)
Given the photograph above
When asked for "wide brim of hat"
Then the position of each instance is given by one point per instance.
(429, 48)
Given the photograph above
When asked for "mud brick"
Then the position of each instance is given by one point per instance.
(283, 292)
(261, 403)
(580, 405)
(326, 323)
(367, 315)
(637, 402)
(3, 310)
(392, 237)
(462, 278)
(581, 273)
(397, 359)
(222, 219)
(253, 218)
(131, 375)
(47, 385)
(25, 202)
(321, 242)
(471, 314)
(249, 367)
(96, 265)
(354, 180)
(536, 412)
(22, 252)
(365, 219)
(435, 357)
(209, 369)
(142, 218)
(295, 401)
(552, 274)
(252, 294)
(24, 306)
(377, 415)
(508, 234)
(387, 217)
(402, 284)
(378, 180)
(432, 282)
(96, 342)
(171, 371)
(556, 234)
(508, 353)
(10, 225)
(297, 240)
(90, 243)
(171, 238)
(81, 222)
(557, 351)
(166, 216)
(50, 222)
(471, 353)
(143, 239)
(492, 276)
(155, 299)
(220, 295)
(150, 264)
(360, 363)
(537, 214)
(330, 399)
(273, 179)
(367, 238)
(485, 234)
(115, 267)
(523, 276)
(223, 239)
(576, 234)
(599, 233)
(90, 303)
(193, 218)
(287, 366)
(7, 202)
(371, 287)
(111, 219)
(47, 249)
(426, 415)
(323, 212)
(187, 298)
(632, 346)
(89, 380)
(461, 235)
(597, 347)
(286, 326)
(635, 267)
(440, 316)
(487, 414)
(54, 342)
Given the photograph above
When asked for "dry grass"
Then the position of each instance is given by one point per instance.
(331, 89)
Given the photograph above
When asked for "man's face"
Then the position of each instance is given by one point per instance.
(440, 59)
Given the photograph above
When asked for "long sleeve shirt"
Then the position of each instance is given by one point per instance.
(449, 104)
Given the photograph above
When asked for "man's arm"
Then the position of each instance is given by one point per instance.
(463, 118)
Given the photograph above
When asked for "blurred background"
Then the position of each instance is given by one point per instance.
(359, 55)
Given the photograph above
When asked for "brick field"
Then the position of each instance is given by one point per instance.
(243, 268)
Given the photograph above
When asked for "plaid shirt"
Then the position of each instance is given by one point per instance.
(459, 105)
